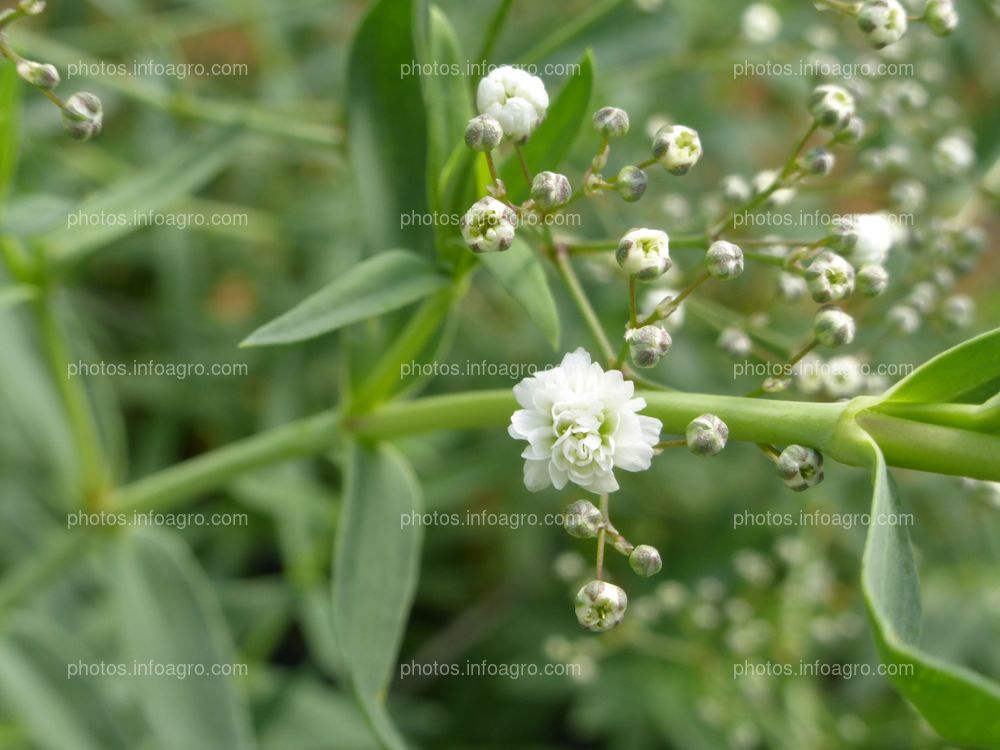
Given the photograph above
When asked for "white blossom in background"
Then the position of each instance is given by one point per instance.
(661, 295)
(581, 423)
(953, 155)
(875, 237)
(514, 98)
(844, 377)
(760, 23)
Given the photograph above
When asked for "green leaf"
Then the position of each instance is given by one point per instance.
(376, 562)
(962, 706)
(168, 614)
(521, 273)
(59, 712)
(387, 130)
(553, 138)
(967, 373)
(388, 281)
(119, 210)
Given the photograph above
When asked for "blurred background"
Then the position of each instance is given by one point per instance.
(260, 151)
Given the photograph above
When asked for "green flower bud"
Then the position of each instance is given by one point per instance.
(582, 519)
(829, 277)
(82, 116)
(941, 16)
(631, 183)
(882, 21)
(872, 279)
(611, 121)
(42, 75)
(648, 344)
(707, 435)
(903, 318)
(833, 327)
(800, 467)
(818, 161)
(677, 148)
(550, 189)
(483, 133)
(600, 606)
(645, 560)
(832, 107)
(724, 260)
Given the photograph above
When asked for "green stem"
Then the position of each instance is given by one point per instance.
(601, 534)
(583, 303)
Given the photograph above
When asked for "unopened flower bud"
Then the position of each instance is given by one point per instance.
(677, 148)
(611, 121)
(735, 189)
(791, 287)
(724, 260)
(882, 21)
(488, 226)
(647, 345)
(483, 133)
(903, 318)
(872, 279)
(941, 16)
(853, 132)
(831, 106)
(734, 342)
(953, 155)
(82, 116)
(582, 519)
(31, 7)
(707, 435)
(800, 467)
(645, 560)
(631, 183)
(644, 253)
(829, 277)
(550, 189)
(600, 606)
(833, 327)
(923, 297)
(818, 161)
(42, 75)
(958, 311)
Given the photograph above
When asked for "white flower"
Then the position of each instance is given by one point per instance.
(581, 423)
(874, 238)
(516, 99)
(488, 226)
(844, 377)
(760, 23)
(953, 155)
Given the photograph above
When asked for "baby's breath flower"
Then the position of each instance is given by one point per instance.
(581, 423)
(677, 148)
(903, 318)
(631, 183)
(829, 277)
(488, 226)
(82, 116)
(833, 327)
(600, 606)
(760, 23)
(872, 279)
(42, 75)
(831, 106)
(953, 155)
(923, 297)
(582, 519)
(941, 16)
(724, 260)
(818, 161)
(550, 189)
(735, 342)
(483, 133)
(515, 98)
(800, 467)
(611, 121)
(707, 435)
(647, 345)
(645, 560)
(866, 238)
(735, 190)
(882, 21)
(644, 253)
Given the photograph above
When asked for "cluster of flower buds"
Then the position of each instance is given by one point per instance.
(82, 114)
